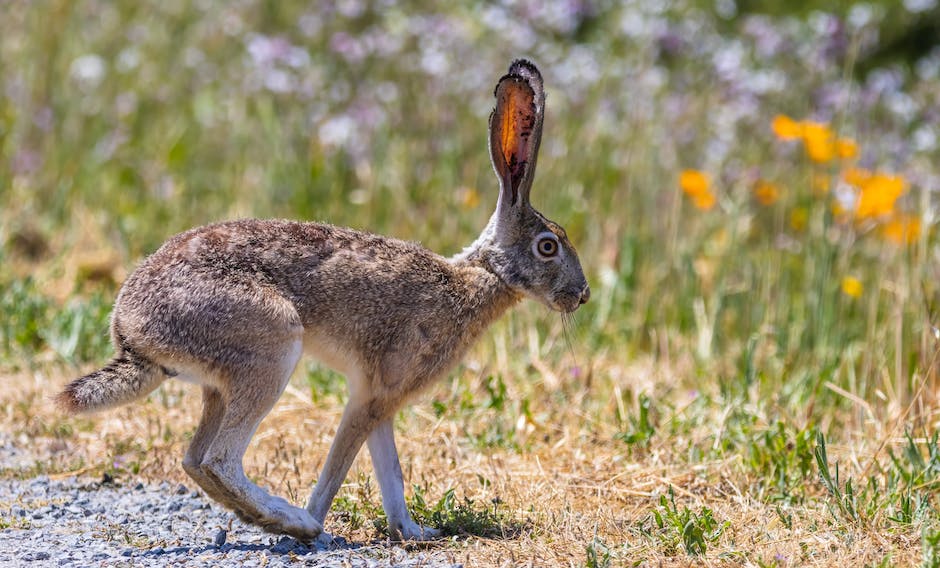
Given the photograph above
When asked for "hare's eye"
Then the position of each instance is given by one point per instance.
(547, 246)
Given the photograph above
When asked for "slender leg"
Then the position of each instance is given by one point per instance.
(213, 409)
(251, 396)
(353, 429)
(388, 470)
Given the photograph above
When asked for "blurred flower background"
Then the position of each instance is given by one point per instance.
(751, 185)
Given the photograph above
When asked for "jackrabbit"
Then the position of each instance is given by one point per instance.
(233, 305)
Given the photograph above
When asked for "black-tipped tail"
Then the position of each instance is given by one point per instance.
(126, 378)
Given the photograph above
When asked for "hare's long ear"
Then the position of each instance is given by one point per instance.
(516, 131)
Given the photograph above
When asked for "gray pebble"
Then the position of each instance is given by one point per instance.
(161, 525)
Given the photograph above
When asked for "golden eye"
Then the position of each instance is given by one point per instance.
(548, 247)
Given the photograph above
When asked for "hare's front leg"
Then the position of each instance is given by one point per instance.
(366, 417)
(248, 396)
(359, 418)
(388, 470)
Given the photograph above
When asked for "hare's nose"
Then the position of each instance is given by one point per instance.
(585, 294)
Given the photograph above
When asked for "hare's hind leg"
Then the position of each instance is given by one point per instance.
(251, 393)
(388, 470)
(213, 409)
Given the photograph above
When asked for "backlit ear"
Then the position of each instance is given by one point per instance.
(516, 131)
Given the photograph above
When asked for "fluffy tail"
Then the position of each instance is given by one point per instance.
(126, 378)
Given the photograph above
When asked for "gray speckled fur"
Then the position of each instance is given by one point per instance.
(232, 305)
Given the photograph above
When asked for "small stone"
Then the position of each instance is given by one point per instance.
(139, 486)
(283, 546)
(182, 490)
(220, 537)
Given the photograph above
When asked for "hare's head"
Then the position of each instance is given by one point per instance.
(527, 251)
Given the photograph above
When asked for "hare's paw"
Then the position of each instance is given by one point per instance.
(410, 530)
(292, 521)
(328, 540)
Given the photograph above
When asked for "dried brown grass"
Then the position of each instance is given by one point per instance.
(570, 486)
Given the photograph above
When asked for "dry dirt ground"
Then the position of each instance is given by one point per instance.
(568, 489)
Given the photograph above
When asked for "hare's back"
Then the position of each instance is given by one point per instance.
(249, 275)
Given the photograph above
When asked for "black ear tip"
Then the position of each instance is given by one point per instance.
(525, 68)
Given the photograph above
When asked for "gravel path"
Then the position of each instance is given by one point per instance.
(75, 522)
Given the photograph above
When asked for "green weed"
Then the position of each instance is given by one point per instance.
(455, 517)
(361, 507)
(486, 412)
(598, 555)
(844, 502)
(76, 332)
(641, 428)
(782, 461)
(930, 547)
(913, 467)
(671, 527)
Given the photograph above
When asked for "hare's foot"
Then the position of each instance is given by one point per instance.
(406, 529)
(255, 506)
(290, 520)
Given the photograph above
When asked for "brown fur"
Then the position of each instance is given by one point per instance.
(232, 305)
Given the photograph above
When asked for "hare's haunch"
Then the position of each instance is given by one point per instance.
(232, 306)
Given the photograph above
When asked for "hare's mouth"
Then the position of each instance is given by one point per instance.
(567, 303)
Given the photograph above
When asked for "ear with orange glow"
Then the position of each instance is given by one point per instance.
(516, 130)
